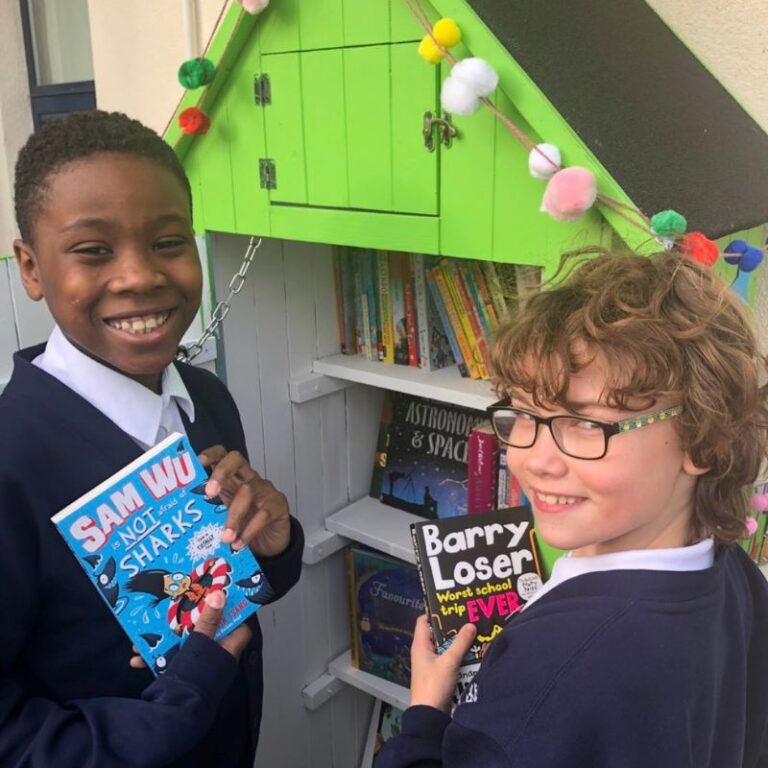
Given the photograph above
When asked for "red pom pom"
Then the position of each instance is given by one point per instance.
(194, 121)
(700, 248)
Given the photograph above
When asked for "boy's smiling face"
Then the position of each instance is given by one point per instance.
(638, 496)
(114, 256)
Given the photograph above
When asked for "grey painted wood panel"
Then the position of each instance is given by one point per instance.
(319, 453)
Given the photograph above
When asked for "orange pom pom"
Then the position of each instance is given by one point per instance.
(194, 121)
(700, 248)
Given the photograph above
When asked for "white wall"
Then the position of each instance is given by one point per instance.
(138, 48)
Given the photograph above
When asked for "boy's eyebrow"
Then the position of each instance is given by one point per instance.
(95, 221)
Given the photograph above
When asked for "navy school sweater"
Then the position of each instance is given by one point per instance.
(618, 669)
(67, 695)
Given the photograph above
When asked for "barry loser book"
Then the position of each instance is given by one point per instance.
(150, 541)
(476, 568)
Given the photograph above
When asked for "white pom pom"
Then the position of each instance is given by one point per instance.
(458, 97)
(539, 161)
(478, 73)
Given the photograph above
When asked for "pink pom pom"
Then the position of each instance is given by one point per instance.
(751, 526)
(254, 6)
(569, 194)
(759, 502)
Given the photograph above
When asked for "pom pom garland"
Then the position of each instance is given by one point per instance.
(194, 121)
(469, 81)
(759, 502)
(254, 7)
(751, 526)
(429, 51)
(735, 250)
(458, 97)
(445, 33)
(196, 72)
(668, 223)
(544, 161)
(742, 255)
(751, 259)
(700, 248)
(569, 194)
(478, 74)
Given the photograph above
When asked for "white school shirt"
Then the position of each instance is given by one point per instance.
(144, 415)
(696, 557)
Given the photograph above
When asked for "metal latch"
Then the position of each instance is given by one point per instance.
(262, 90)
(267, 173)
(448, 131)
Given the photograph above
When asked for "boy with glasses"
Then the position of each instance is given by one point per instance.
(634, 415)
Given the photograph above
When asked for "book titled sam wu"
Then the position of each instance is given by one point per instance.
(150, 541)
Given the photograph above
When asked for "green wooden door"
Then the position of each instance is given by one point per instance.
(344, 129)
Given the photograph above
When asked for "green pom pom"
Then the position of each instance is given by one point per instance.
(196, 72)
(669, 224)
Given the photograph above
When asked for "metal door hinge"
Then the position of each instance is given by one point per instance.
(448, 131)
(267, 173)
(262, 90)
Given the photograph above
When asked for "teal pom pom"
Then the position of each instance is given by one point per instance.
(669, 224)
(196, 73)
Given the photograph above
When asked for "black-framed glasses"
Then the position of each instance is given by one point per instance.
(575, 436)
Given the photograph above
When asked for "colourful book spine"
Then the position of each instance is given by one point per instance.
(450, 305)
(422, 309)
(370, 280)
(467, 316)
(361, 314)
(440, 309)
(483, 464)
(385, 308)
(494, 289)
(410, 310)
(348, 301)
(399, 322)
(480, 285)
(339, 300)
(473, 292)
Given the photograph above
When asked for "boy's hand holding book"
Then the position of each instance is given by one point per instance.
(433, 676)
(208, 624)
(257, 513)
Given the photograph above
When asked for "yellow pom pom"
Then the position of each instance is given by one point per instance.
(447, 33)
(429, 51)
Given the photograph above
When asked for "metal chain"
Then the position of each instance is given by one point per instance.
(191, 351)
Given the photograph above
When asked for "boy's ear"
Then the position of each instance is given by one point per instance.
(30, 276)
(691, 469)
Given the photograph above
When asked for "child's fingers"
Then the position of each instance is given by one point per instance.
(210, 618)
(236, 641)
(136, 661)
(229, 473)
(460, 645)
(422, 636)
(210, 457)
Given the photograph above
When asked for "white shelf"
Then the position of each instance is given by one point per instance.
(446, 385)
(393, 694)
(377, 525)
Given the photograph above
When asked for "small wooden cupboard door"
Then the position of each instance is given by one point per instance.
(344, 129)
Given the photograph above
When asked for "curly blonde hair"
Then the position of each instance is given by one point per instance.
(667, 328)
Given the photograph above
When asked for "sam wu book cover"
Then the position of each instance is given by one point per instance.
(426, 465)
(149, 540)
